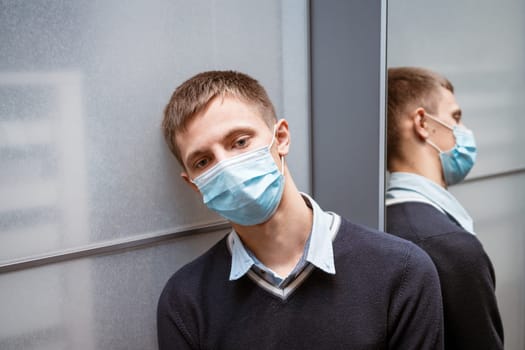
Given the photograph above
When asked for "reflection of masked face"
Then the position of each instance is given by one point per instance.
(458, 161)
(245, 189)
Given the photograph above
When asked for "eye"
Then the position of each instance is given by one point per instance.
(457, 117)
(201, 163)
(241, 142)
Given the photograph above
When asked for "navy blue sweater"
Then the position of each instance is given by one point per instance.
(472, 320)
(385, 295)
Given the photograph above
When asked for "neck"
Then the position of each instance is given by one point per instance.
(423, 161)
(279, 243)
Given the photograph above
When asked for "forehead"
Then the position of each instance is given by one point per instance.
(219, 118)
(446, 101)
(222, 112)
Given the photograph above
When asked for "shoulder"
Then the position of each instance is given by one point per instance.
(179, 307)
(391, 269)
(187, 282)
(460, 254)
(381, 249)
(361, 237)
(417, 221)
(452, 249)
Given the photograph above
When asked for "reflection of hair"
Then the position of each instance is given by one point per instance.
(410, 88)
(196, 93)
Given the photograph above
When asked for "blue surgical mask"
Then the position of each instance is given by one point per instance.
(458, 161)
(245, 189)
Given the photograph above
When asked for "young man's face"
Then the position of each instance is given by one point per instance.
(226, 128)
(448, 112)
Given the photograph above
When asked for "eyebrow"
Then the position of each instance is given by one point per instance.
(237, 131)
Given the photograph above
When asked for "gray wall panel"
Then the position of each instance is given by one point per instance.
(106, 302)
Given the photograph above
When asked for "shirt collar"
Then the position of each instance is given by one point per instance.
(319, 252)
(410, 187)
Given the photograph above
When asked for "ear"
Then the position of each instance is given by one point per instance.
(187, 179)
(282, 137)
(420, 123)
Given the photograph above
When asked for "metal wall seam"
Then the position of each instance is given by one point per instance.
(108, 247)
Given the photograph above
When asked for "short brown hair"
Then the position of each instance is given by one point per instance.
(196, 93)
(409, 88)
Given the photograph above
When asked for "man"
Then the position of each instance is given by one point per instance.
(289, 275)
(430, 149)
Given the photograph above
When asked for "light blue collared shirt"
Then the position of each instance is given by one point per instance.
(317, 251)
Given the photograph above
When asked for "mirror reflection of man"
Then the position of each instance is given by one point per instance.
(429, 149)
(289, 275)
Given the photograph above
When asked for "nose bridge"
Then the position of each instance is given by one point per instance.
(219, 153)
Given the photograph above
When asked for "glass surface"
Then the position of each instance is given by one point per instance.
(497, 206)
(106, 302)
(82, 88)
(479, 46)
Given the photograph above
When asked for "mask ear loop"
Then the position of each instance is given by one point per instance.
(440, 122)
(270, 146)
(443, 124)
(433, 145)
(273, 137)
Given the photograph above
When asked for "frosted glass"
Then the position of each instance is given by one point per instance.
(82, 88)
(497, 206)
(479, 46)
(106, 302)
